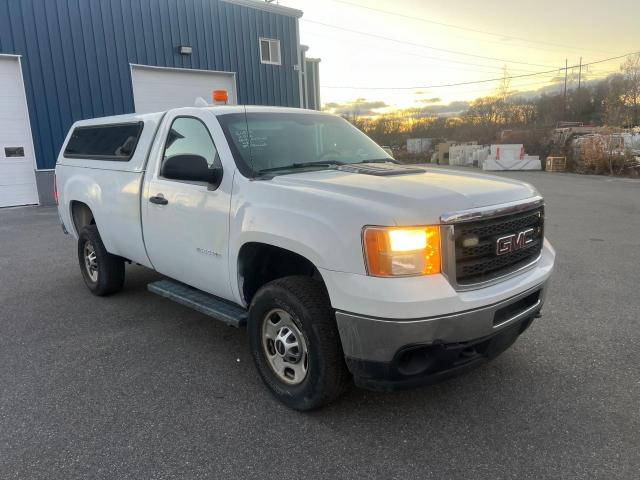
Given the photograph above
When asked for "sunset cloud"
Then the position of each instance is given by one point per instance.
(430, 100)
(360, 107)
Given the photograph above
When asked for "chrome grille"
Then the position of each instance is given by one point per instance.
(474, 246)
(476, 263)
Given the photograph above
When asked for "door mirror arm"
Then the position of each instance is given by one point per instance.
(215, 178)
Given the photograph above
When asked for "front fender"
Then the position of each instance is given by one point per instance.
(321, 242)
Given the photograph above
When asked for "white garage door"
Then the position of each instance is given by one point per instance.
(17, 158)
(156, 89)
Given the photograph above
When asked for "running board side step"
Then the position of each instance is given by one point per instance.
(203, 302)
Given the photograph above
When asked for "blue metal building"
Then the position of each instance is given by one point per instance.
(89, 58)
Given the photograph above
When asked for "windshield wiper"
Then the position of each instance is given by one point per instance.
(293, 166)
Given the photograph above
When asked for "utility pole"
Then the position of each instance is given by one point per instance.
(578, 95)
(564, 104)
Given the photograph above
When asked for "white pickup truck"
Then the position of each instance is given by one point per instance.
(343, 264)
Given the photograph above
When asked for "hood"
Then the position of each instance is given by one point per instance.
(414, 195)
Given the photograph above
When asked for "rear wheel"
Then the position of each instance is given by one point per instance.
(295, 343)
(103, 273)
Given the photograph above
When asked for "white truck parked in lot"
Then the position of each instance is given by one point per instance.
(341, 262)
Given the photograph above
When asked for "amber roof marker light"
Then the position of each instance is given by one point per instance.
(220, 96)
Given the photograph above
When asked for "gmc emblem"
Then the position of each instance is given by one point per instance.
(515, 241)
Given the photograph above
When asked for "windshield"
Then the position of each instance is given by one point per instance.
(280, 142)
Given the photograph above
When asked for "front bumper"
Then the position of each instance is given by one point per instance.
(424, 365)
(384, 353)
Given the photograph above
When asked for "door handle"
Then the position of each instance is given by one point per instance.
(159, 199)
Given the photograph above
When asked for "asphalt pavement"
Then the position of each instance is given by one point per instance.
(136, 387)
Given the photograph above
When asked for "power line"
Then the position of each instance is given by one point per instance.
(474, 39)
(514, 89)
(442, 60)
(481, 81)
(450, 25)
(421, 45)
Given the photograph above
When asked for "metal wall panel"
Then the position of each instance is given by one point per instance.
(76, 54)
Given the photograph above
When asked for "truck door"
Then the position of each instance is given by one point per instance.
(186, 222)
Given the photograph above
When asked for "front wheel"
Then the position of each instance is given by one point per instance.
(295, 343)
(103, 273)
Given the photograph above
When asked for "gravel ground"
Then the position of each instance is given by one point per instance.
(134, 386)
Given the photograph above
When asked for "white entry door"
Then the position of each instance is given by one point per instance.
(17, 157)
(156, 89)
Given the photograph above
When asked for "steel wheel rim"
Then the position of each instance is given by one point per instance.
(284, 347)
(91, 261)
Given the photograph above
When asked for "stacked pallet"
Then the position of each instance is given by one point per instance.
(556, 164)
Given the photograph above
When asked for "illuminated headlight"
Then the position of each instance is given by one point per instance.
(397, 252)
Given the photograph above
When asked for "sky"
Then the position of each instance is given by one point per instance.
(370, 50)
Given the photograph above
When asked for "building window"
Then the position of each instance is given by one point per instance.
(11, 152)
(270, 51)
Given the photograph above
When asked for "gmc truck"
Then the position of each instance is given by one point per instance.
(344, 265)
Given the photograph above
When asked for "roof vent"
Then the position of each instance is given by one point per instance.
(381, 169)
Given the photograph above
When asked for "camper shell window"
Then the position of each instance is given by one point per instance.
(116, 142)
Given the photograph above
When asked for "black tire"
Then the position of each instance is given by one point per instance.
(110, 268)
(307, 302)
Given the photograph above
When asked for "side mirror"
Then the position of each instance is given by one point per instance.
(191, 168)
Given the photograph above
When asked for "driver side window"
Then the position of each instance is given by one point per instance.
(189, 136)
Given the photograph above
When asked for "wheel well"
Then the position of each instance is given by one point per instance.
(260, 263)
(81, 215)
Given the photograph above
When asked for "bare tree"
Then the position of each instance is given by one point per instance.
(631, 71)
(613, 104)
